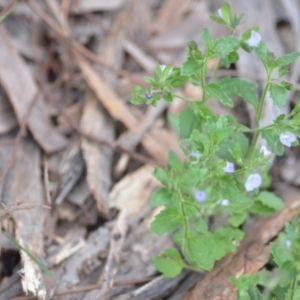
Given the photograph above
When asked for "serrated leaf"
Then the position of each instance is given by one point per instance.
(262, 52)
(224, 238)
(217, 92)
(255, 294)
(166, 221)
(174, 162)
(200, 249)
(236, 87)
(237, 219)
(161, 175)
(207, 39)
(280, 254)
(245, 281)
(270, 200)
(161, 197)
(170, 263)
(286, 59)
(279, 94)
(225, 45)
(188, 121)
(191, 66)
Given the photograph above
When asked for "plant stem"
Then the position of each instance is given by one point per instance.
(293, 286)
(184, 98)
(258, 119)
(216, 69)
(185, 223)
(203, 80)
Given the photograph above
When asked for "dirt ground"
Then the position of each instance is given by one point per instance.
(76, 157)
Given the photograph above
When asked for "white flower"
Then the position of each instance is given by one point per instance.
(229, 168)
(195, 154)
(254, 39)
(162, 67)
(254, 181)
(220, 13)
(200, 196)
(225, 202)
(288, 243)
(265, 151)
(287, 138)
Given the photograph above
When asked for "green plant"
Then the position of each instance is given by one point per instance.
(223, 172)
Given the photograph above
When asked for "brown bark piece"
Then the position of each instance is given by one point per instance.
(8, 119)
(250, 257)
(98, 158)
(27, 188)
(21, 90)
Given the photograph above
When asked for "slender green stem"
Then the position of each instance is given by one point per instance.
(293, 286)
(202, 81)
(185, 222)
(216, 69)
(184, 98)
(258, 118)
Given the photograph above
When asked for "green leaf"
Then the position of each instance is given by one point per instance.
(272, 137)
(170, 263)
(245, 281)
(236, 87)
(226, 12)
(161, 197)
(270, 200)
(285, 60)
(166, 221)
(225, 45)
(200, 249)
(280, 254)
(174, 162)
(233, 57)
(255, 294)
(161, 175)
(237, 219)
(262, 52)
(224, 238)
(207, 39)
(138, 96)
(188, 121)
(217, 19)
(217, 92)
(279, 94)
(191, 66)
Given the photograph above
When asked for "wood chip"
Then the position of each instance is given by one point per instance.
(27, 188)
(21, 89)
(98, 158)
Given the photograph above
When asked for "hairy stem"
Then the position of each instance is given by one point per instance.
(258, 119)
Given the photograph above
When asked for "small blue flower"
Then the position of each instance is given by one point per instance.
(162, 67)
(195, 154)
(229, 168)
(265, 151)
(287, 138)
(225, 202)
(288, 243)
(254, 181)
(220, 13)
(200, 196)
(149, 96)
(254, 39)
